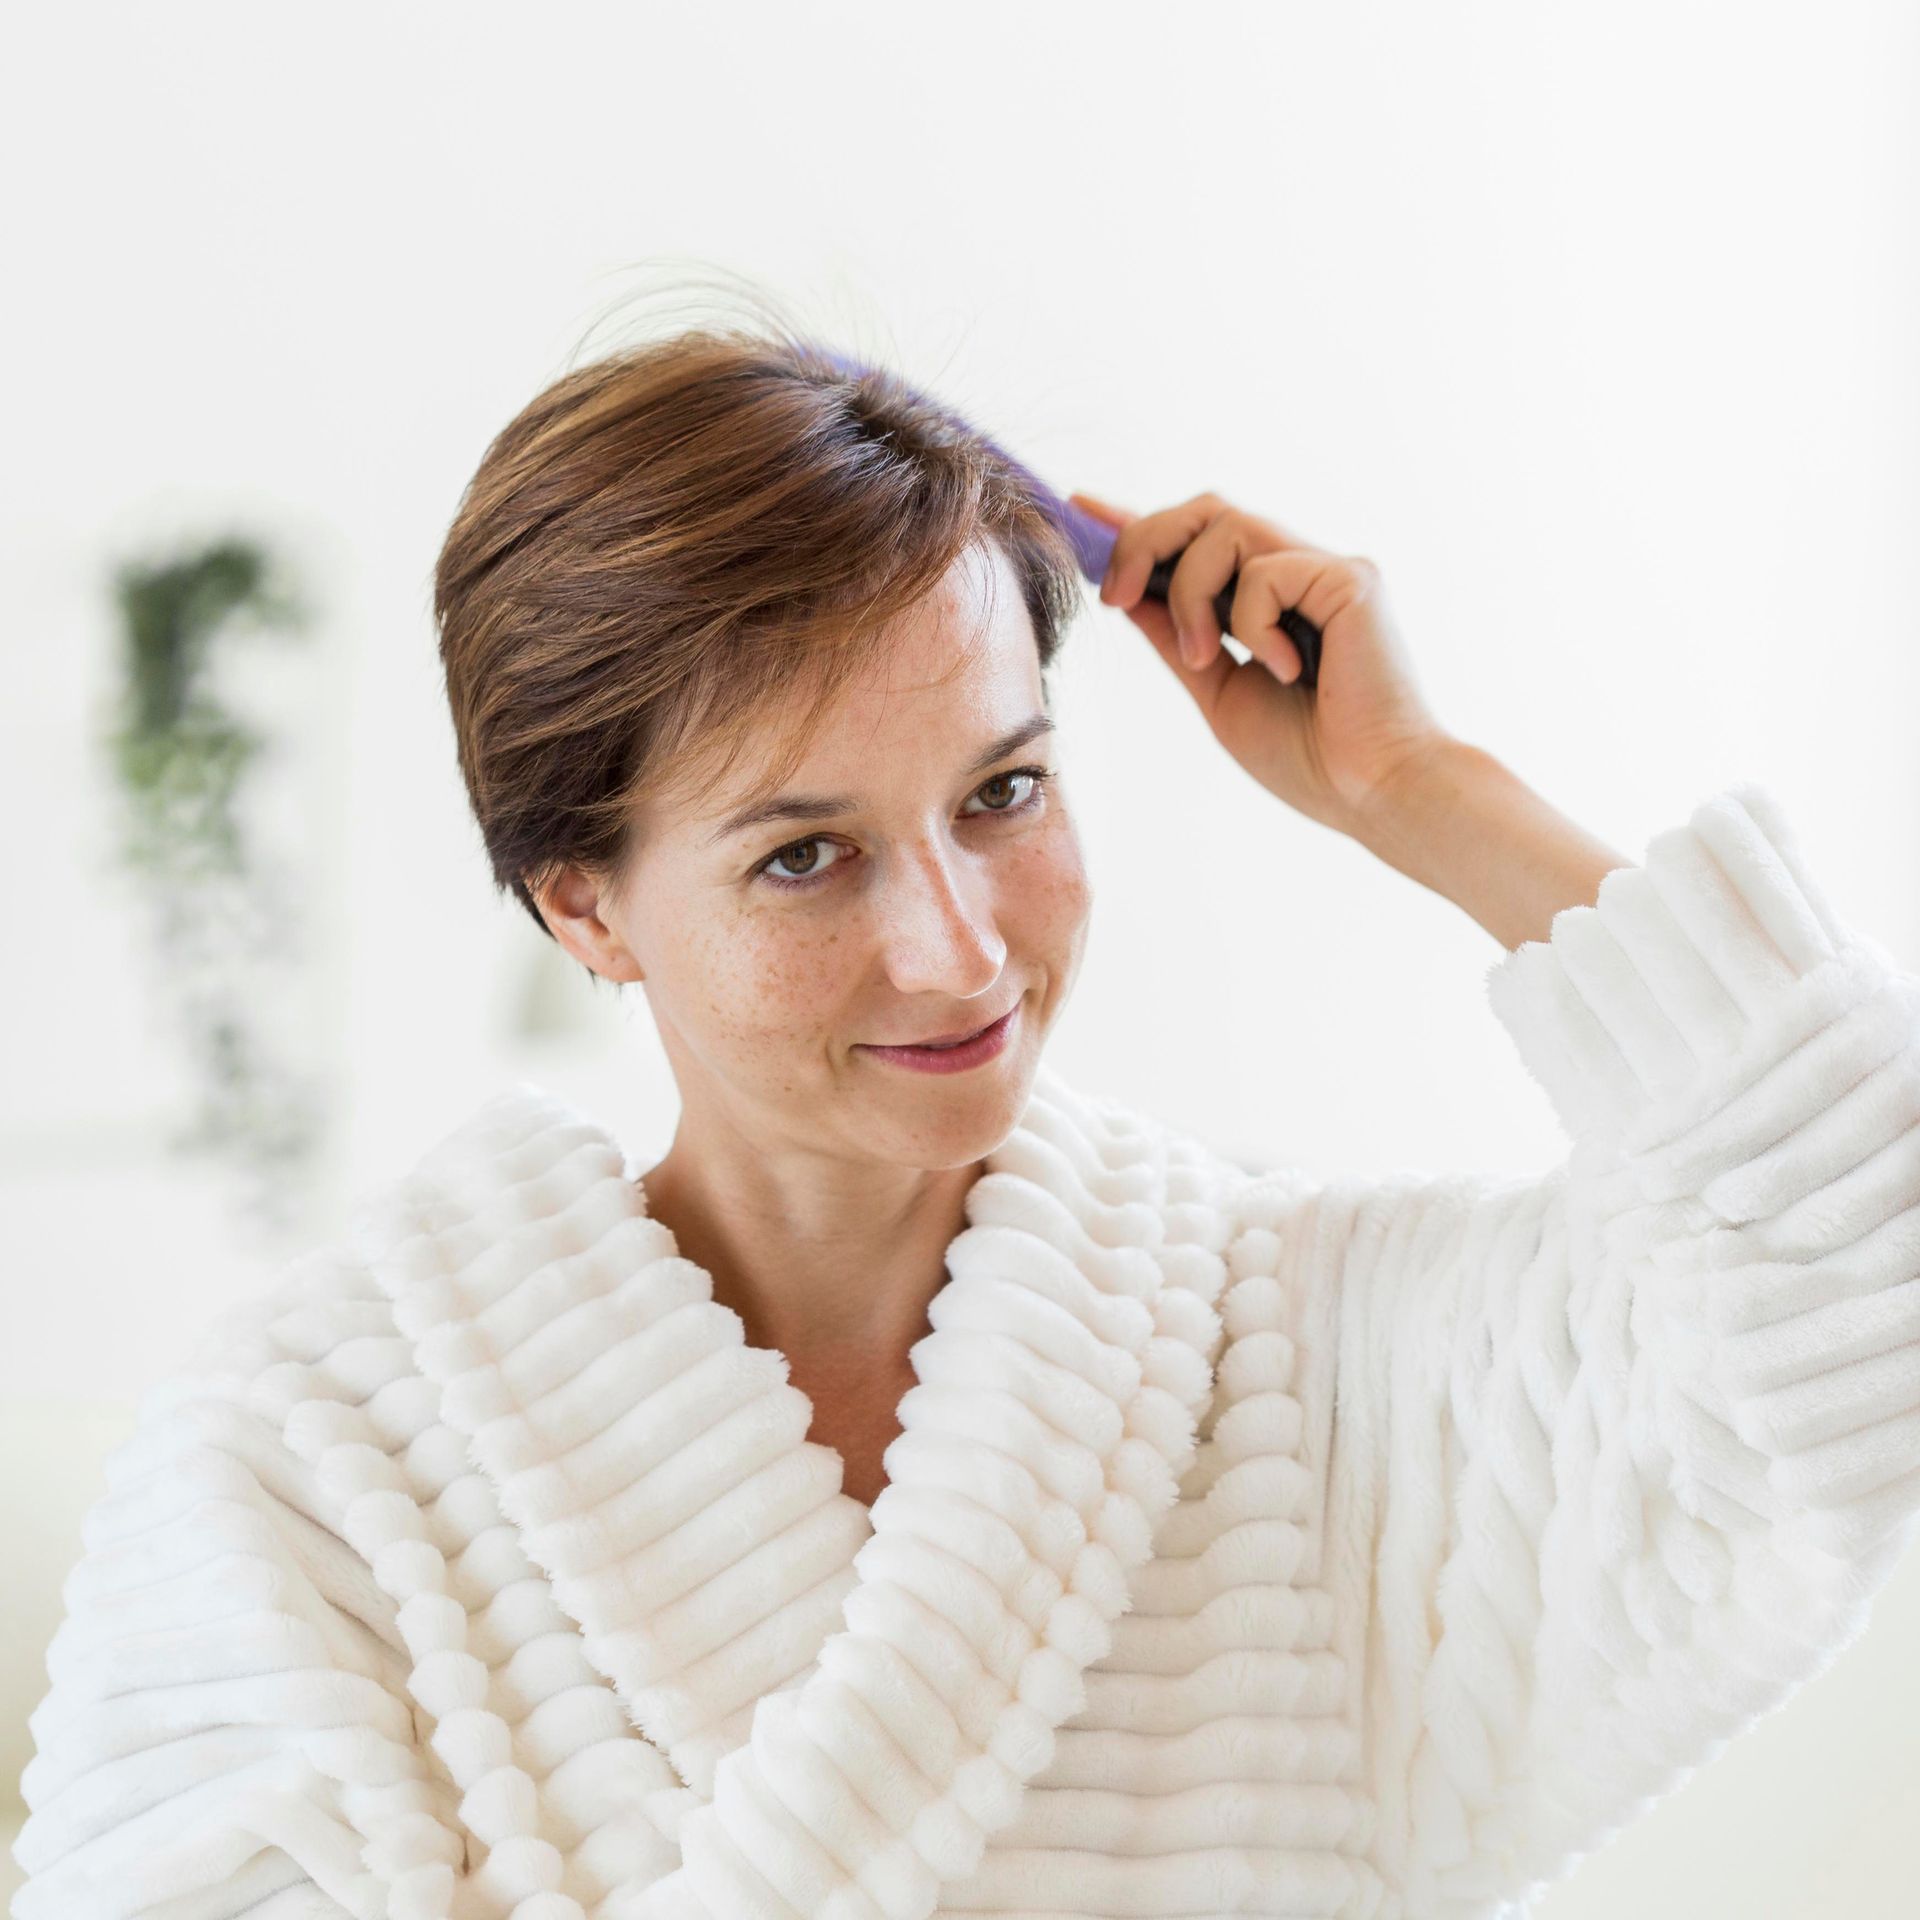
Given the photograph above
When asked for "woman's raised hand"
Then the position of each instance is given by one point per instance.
(1329, 750)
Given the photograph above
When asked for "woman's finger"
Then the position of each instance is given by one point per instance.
(1203, 683)
(1147, 540)
(1319, 585)
(1102, 509)
(1222, 548)
(1107, 514)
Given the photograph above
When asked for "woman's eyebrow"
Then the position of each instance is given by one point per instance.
(808, 806)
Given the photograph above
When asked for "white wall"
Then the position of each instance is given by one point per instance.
(1592, 326)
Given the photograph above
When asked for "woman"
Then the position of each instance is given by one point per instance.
(933, 1488)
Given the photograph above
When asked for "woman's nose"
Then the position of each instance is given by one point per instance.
(938, 925)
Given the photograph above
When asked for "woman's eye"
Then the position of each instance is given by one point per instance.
(766, 866)
(1000, 779)
(814, 872)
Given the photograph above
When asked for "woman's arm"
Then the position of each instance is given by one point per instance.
(1458, 821)
(1630, 1446)
(1642, 1438)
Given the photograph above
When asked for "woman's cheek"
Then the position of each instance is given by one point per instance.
(1050, 896)
(785, 975)
(737, 969)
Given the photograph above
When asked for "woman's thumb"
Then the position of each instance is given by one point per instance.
(1101, 509)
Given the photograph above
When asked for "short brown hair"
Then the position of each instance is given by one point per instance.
(671, 541)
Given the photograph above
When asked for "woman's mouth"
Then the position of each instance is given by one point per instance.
(973, 1051)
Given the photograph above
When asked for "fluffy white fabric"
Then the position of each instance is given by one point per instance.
(1256, 1543)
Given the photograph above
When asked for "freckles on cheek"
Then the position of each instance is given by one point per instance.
(721, 979)
(765, 980)
(1050, 892)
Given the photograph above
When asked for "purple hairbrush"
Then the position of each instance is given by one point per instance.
(1092, 540)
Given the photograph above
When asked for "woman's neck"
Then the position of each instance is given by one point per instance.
(838, 1277)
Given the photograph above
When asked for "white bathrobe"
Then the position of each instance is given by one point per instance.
(1256, 1543)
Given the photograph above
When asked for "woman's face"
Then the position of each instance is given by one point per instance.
(945, 886)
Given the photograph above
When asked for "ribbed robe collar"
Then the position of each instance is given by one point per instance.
(853, 1698)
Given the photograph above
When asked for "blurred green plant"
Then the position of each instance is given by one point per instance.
(182, 758)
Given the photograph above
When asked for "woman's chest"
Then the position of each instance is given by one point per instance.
(856, 1413)
(1134, 1717)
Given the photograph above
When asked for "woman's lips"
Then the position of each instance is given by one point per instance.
(979, 1047)
(948, 1039)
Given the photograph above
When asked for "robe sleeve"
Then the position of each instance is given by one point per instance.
(1650, 1425)
(225, 1722)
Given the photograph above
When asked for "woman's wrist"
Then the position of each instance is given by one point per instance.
(1462, 823)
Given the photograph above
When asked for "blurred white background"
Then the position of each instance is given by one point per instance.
(1594, 327)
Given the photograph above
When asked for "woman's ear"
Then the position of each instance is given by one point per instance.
(570, 904)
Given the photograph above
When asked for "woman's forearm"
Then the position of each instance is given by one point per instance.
(1465, 825)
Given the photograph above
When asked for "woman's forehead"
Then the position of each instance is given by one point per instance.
(948, 678)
